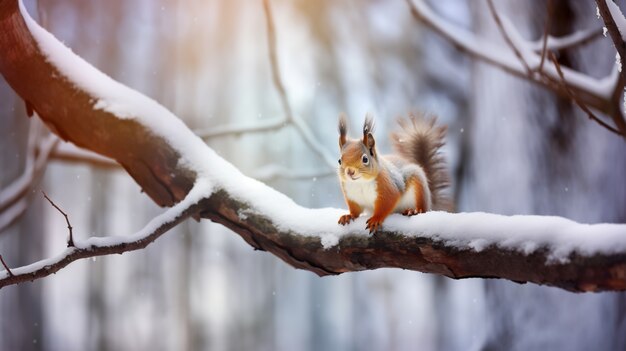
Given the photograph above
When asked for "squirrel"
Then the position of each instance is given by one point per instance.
(408, 182)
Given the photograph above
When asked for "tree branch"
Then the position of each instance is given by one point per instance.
(577, 101)
(297, 122)
(70, 238)
(546, 34)
(94, 247)
(14, 198)
(37, 154)
(591, 92)
(620, 46)
(6, 268)
(569, 41)
(174, 166)
(506, 36)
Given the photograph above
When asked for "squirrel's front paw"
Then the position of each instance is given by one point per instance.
(373, 224)
(345, 219)
(412, 212)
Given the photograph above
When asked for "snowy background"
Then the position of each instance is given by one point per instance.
(513, 148)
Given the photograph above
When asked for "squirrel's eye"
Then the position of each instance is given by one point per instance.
(339, 161)
(365, 159)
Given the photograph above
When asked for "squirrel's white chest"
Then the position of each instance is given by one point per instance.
(362, 192)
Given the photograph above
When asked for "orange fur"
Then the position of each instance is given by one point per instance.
(388, 196)
(355, 211)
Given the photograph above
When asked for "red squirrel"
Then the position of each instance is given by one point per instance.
(409, 182)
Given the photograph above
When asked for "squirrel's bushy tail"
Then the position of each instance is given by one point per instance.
(419, 141)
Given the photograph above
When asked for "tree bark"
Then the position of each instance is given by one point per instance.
(152, 162)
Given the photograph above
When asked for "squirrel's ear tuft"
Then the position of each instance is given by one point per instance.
(368, 125)
(343, 129)
(368, 137)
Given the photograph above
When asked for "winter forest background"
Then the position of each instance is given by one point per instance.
(513, 148)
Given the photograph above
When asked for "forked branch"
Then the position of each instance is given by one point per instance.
(523, 59)
(70, 238)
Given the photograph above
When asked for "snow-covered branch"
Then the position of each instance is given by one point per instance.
(176, 168)
(14, 198)
(100, 246)
(525, 59)
(615, 24)
(577, 38)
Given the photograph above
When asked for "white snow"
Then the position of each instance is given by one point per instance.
(117, 98)
(618, 17)
(464, 230)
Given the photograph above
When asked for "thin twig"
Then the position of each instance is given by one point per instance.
(14, 197)
(496, 55)
(271, 43)
(6, 267)
(576, 100)
(70, 241)
(298, 123)
(68, 152)
(588, 90)
(620, 46)
(546, 33)
(506, 36)
(569, 41)
(93, 247)
(261, 126)
(11, 214)
(271, 172)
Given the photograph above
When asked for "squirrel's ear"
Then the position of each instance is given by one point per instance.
(368, 137)
(343, 129)
(369, 142)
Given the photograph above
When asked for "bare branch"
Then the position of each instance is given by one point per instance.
(620, 46)
(19, 186)
(260, 126)
(14, 197)
(270, 172)
(68, 152)
(546, 34)
(6, 267)
(569, 41)
(11, 214)
(70, 238)
(298, 123)
(506, 36)
(591, 92)
(100, 246)
(271, 45)
(577, 101)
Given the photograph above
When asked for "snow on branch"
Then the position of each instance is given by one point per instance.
(525, 59)
(615, 24)
(14, 198)
(176, 168)
(577, 38)
(100, 246)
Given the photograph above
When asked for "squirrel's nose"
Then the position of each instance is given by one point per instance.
(350, 172)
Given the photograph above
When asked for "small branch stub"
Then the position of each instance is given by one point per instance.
(70, 240)
(6, 267)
